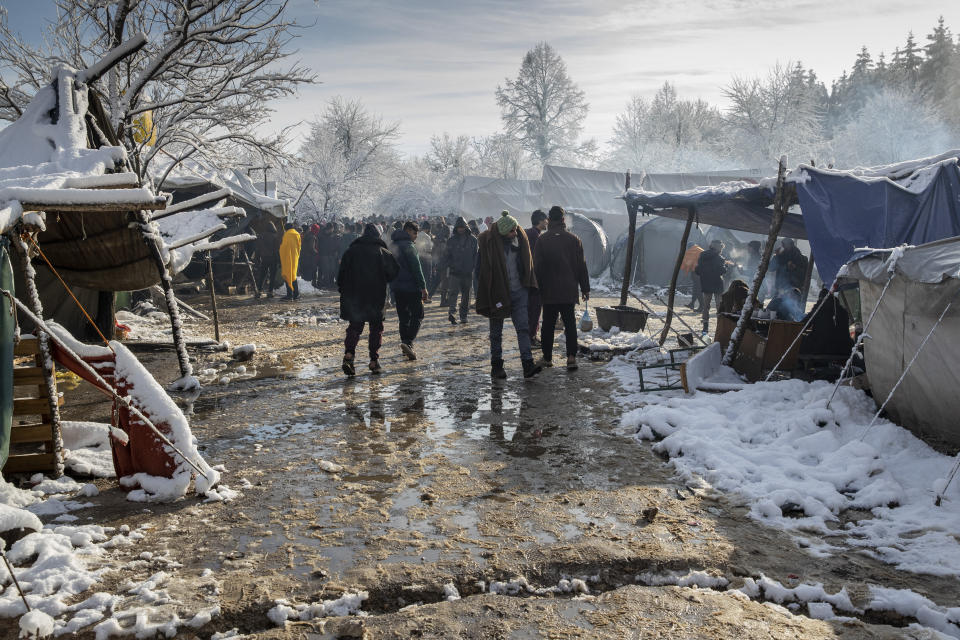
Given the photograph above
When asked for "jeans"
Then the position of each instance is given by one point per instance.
(410, 314)
(550, 313)
(375, 339)
(708, 299)
(294, 293)
(533, 314)
(461, 285)
(518, 314)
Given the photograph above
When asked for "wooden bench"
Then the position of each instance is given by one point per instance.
(32, 422)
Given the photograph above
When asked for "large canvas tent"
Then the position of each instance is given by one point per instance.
(655, 250)
(596, 248)
(479, 197)
(923, 281)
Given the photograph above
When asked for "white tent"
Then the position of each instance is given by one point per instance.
(479, 197)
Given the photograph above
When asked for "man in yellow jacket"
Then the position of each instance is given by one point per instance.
(289, 260)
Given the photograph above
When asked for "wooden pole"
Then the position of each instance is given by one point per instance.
(807, 279)
(43, 342)
(631, 235)
(691, 212)
(183, 358)
(213, 298)
(253, 278)
(780, 205)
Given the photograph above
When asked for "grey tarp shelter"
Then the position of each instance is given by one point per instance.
(927, 278)
(655, 250)
(596, 248)
(479, 197)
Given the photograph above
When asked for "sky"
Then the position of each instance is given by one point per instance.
(434, 65)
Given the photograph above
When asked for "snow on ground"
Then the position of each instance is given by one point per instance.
(804, 467)
(598, 340)
(147, 323)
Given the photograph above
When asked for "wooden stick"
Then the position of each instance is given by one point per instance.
(780, 204)
(691, 212)
(246, 258)
(14, 578)
(631, 234)
(213, 298)
(807, 281)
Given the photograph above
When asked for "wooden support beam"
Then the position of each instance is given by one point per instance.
(631, 235)
(27, 462)
(691, 213)
(807, 279)
(30, 433)
(23, 376)
(213, 298)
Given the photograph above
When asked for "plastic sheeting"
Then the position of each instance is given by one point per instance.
(656, 247)
(7, 328)
(480, 197)
(929, 263)
(583, 189)
(596, 249)
(843, 210)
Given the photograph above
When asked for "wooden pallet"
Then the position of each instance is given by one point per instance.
(32, 423)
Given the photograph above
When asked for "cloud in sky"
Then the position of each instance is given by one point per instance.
(434, 64)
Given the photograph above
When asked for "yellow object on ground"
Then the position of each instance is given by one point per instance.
(290, 256)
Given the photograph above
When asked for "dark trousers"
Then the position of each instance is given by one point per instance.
(708, 299)
(326, 272)
(459, 285)
(550, 313)
(410, 314)
(267, 276)
(294, 293)
(375, 339)
(534, 307)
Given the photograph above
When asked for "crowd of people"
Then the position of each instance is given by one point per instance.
(493, 266)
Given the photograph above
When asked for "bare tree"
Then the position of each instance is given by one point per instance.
(346, 159)
(773, 116)
(451, 158)
(206, 77)
(502, 156)
(543, 108)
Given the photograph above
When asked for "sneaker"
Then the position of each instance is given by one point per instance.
(546, 362)
(375, 367)
(496, 370)
(530, 368)
(408, 351)
(463, 319)
(535, 343)
(348, 367)
(572, 363)
(452, 318)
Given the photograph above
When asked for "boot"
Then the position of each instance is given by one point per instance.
(496, 370)
(375, 367)
(530, 368)
(452, 318)
(572, 363)
(348, 367)
(408, 351)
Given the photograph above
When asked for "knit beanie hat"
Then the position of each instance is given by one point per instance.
(506, 223)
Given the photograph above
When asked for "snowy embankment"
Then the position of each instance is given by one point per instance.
(803, 467)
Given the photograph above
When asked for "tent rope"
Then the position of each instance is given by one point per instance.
(87, 315)
(953, 473)
(910, 364)
(860, 339)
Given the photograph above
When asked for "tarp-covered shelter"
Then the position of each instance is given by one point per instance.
(479, 197)
(596, 248)
(655, 252)
(926, 279)
(906, 203)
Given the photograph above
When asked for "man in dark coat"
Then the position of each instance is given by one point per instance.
(710, 267)
(459, 261)
(438, 278)
(538, 220)
(409, 288)
(504, 279)
(561, 270)
(829, 328)
(267, 251)
(327, 244)
(365, 270)
(790, 267)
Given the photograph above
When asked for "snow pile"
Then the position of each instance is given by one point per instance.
(14, 518)
(705, 371)
(308, 316)
(700, 579)
(450, 592)
(599, 340)
(305, 288)
(36, 624)
(86, 447)
(244, 352)
(801, 465)
(345, 605)
(913, 605)
(772, 591)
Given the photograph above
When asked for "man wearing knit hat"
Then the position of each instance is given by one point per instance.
(504, 279)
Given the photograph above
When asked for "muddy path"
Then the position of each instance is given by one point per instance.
(443, 476)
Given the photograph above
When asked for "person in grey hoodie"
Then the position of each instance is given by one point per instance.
(409, 287)
(460, 258)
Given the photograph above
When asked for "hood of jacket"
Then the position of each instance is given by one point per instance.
(399, 236)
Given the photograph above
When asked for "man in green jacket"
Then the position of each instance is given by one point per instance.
(504, 279)
(409, 287)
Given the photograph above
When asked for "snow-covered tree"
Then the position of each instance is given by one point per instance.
(543, 108)
(346, 159)
(666, 134)
(502, 156)
(206, 77)
(892, 126)
(772, 116)
(451, 158)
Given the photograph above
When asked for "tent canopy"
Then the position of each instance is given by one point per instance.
(930, 263)
(908, 203)
(480, 197)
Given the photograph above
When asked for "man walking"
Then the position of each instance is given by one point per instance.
(365, 269)
(561, 269)
(290, 260)
(504, 279)
(539, 221)
(710, 267)
(409, 288)
(460, 260)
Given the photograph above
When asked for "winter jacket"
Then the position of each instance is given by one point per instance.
(365, 269)
(560, 266)
(461, 254)
(710, 267)
(346, 240)
(493, 282)
(532, 234)
(790, 266)
(327, 244)
(290, 256)
(410, 279)
(690, 258)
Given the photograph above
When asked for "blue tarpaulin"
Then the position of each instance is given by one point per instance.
(843, 211)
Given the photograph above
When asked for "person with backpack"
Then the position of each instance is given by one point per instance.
(365, 269)
(409, 288)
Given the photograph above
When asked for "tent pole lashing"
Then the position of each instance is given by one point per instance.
(906, 369)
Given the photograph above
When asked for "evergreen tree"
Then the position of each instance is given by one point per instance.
(934, 69)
